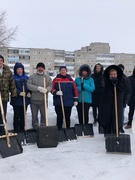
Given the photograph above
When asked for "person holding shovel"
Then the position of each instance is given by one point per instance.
(63, 85)
(113, 76)
(35, 84)
(85, 85)
(7, 85)
(22, 92)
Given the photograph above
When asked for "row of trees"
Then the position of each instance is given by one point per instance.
(7, 34)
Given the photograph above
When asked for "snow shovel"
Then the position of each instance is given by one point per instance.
(9, 144)
(117, 143)
(84, 129)
(47, 136)
(26, 137)
(65, 134)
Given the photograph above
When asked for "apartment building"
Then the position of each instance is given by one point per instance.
(128, 60)
(70, 62)
(18, 55)
(42, 55)
(105, 59)
(90, 54)
(96, 52)
(59, 60)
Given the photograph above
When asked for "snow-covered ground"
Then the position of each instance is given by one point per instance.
(84, 159)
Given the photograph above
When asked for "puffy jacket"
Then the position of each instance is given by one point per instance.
(7, 84)
(68, 87)
(88, 84)
(20, 81)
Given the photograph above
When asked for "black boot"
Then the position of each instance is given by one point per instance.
(122, 130)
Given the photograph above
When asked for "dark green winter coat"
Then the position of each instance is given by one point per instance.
(7, 84)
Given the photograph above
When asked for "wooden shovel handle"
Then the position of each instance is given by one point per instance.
(116, 110)
(62, 106)
(4, 122)
(45, 104)
(24, 108)
(83, 104)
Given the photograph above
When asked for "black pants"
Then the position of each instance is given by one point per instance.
(86, 112)
(18, 121)
(131, 114)
(1, 121)
(67, 110)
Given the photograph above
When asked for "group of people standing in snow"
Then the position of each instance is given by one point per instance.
(93, 90)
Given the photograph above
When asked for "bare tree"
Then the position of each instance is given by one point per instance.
(6, 34)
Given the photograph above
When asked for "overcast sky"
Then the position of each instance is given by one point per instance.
(71, 24)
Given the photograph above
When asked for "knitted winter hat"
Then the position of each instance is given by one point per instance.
(40, 64)
(63, 67)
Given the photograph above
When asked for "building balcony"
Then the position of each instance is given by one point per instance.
(59, 61)
(70, 67)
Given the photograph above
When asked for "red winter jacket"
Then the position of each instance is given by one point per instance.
(68, 87)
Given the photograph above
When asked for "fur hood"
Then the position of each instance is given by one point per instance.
(85, 67)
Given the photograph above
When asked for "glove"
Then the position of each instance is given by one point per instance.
(75, 103)
(82, 87)
(42, 90)
(29, 95)
(59, 93)
(114, 81)
(22, 94)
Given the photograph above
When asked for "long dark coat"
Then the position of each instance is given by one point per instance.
(98, 81)
(132, 98)
(106, 116)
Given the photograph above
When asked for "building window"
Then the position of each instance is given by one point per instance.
(34, 52)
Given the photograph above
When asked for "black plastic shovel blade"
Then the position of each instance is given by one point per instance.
(31, 136)
(15, 148)
(21, 137)
(78, 129)
(84, 130)
(61, 135)
(70, 133)
(88, 130)
(27, 137)
(119, 144)
(47, 136)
